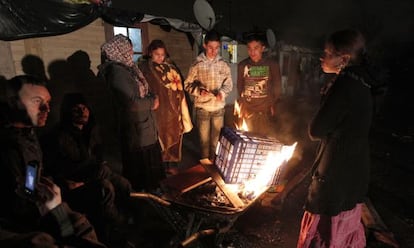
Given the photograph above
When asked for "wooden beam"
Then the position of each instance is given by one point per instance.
(187, 180)
(215, 175)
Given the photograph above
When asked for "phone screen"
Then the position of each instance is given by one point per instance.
(31, 177)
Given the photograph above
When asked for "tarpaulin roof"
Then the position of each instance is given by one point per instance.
(21, 19)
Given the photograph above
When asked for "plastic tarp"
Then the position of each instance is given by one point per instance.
(21, 19)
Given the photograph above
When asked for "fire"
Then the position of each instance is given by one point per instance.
(260, 183)
(243, 126)
(262, 178)
(237, 112)
(236, 109)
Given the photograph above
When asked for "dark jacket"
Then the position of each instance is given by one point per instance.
(71, 153)
(258, 84)
(19, 218)
(137, 124)
(341, 168)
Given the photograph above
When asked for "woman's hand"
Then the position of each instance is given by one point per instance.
(156, 102)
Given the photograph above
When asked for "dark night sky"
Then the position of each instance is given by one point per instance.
(388, 27)
(301, 22)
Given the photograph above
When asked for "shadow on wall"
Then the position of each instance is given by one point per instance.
(61, 81)
(33, 65)
(95, 89)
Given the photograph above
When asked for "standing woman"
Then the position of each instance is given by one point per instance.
(172, 114)
(340, 173)
(134, 105)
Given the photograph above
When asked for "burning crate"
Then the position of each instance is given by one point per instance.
(240, 156)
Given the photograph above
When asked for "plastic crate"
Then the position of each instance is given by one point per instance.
(241, 155)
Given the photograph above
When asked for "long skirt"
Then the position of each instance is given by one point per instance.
(344, 230)
(143, 168)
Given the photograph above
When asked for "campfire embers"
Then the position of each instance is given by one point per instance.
(210, 196)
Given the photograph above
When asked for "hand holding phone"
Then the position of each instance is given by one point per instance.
(40, 190)
(32, 178)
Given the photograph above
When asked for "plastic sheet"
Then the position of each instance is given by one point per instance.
(21, 19)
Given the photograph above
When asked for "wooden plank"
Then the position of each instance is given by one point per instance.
(187, 180)
(215, 175)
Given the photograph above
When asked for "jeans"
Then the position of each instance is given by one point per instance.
(209, 125)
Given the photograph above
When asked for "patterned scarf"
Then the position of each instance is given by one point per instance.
(119, 49)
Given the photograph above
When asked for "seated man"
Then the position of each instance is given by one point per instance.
(73, 156)
(42, 220)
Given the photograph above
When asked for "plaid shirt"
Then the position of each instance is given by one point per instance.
(211, 75)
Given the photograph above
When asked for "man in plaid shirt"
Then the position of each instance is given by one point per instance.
(209, 81)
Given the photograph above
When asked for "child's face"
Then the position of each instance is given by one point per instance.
(158, 55)
(212, 49)
(255, 50)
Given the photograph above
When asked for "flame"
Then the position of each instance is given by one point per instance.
(236, 109)
(261, 181)
(237, 112)
(243, 126)
(259, 184)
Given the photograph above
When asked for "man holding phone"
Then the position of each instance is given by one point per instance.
(32, 177)
(24, 105)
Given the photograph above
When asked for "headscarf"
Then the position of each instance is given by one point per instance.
(118, 49)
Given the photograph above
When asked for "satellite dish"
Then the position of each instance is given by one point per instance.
(271, 38)
(204, 14)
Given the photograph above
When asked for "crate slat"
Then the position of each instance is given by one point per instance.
(240, 155)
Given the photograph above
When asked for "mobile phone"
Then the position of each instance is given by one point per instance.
(32, 177)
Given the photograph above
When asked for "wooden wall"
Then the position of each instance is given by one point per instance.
(88, 39)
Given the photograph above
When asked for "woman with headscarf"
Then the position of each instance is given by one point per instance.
(165, 81)
(134, 107)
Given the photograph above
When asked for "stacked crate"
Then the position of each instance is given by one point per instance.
(241, 155)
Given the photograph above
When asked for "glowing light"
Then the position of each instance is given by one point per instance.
(236, 109)
(237, 112)
(257, 185)
(243, 126)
